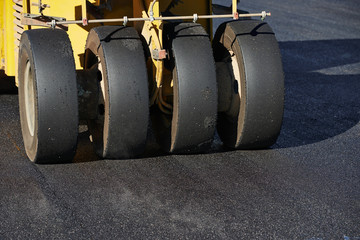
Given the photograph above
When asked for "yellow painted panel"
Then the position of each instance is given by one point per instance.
(2, 35)
(9, 39)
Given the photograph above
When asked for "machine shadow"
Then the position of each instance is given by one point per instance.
(322, 96)
(7, 85)
(86, 152)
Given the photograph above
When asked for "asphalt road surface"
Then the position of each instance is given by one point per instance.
(307, 186)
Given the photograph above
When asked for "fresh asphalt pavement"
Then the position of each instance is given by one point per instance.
(307, 186)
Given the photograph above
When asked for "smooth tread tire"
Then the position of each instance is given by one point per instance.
(120, 128)
(191, 127)
(252, 117)
(48, 96)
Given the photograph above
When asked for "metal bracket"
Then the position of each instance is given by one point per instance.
(236, 16)
(126, 20)
(37, 16)
(264, 15)
(42, 20)
(41, 6)
(196, 17)
(159, 54)
(53, 24)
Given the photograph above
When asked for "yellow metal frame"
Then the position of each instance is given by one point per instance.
(2, 34)
(76, 10)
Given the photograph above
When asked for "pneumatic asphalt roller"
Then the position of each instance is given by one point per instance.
(129, 67)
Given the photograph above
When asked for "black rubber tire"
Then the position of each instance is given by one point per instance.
(120, 130)
(254, 121)
(192, 124)
(48, 96)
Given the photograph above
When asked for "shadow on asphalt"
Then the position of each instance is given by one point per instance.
(7, 85)
(322, 99)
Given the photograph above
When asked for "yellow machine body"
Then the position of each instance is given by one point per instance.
(12, 11)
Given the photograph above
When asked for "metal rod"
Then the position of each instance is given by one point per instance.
(161, 18)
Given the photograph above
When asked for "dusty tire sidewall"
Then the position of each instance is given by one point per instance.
(98, 130)
(241, 105)
(30, 142)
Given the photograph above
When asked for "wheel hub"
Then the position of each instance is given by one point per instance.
(29, 98)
